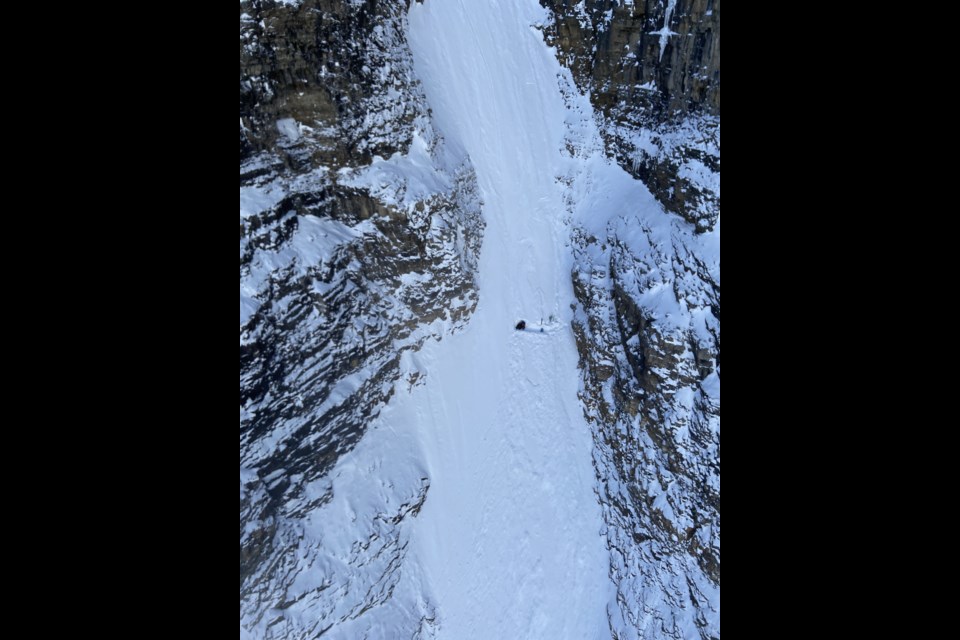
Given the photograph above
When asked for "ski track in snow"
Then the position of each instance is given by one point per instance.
(509, 541)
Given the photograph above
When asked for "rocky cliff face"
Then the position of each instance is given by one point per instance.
(652, 69)
(648, 323)
(662, 56)
(321, 81)
(348, 261)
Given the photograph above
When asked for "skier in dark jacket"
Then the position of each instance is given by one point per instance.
(521, 325)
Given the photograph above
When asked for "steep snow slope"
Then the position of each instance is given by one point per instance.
(510, 537)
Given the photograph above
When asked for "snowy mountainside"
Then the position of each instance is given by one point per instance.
(415, 178)
(648, 300)
(359, 237)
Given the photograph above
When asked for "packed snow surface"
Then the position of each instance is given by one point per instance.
(510, 539)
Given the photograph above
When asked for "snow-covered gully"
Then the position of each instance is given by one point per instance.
(510, 539)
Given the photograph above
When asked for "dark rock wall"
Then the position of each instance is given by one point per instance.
(659, 94)
(330, 65)
(618, 52)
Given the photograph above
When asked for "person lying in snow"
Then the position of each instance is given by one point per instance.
(521, 325)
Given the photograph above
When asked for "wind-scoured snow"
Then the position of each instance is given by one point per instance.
(510, 538)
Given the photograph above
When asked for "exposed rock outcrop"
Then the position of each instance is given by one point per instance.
(662, 56)
(322, 82)
(651, 388)
(652, 70)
